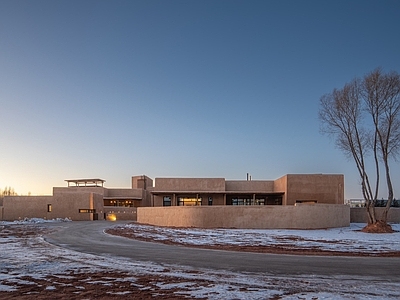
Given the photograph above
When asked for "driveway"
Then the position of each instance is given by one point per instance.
(88, 237)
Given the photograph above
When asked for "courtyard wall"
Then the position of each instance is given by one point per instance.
(359, 214)
(248, 217)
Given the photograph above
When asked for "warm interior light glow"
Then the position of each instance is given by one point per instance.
(111, 217)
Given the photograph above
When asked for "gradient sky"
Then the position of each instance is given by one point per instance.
(112, 89)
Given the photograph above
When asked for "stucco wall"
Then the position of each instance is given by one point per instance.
(138, 193)
(121, 213)
(189, 184)
(323, 188)
(359, 214)
(146, 198)
(142, 182)
(288, 217)
(280, 186)
(63, 205)
(20, 207)
(80, 189)
(266, 186)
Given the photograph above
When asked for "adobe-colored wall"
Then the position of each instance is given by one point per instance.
(125, 193)
(142, 182)
(189, 184)
(63, 205)
(20, 207)
(280, 186)
(122, 213)
(266, 186)
(250, 217)
(80, 189)
(359, 214)
(146, 198)
(323, 188)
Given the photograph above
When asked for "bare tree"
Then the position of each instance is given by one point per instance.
(8, 191)
(364, 118)
(382, 99)
(341, 116)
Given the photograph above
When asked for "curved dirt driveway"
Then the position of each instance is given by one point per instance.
(88, 237)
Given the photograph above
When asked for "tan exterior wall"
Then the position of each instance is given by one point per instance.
(121, 213)
(322, 188)
(189, 184)
(359, 214)
(20, 207)
(250, 185)
(250, 217)
(142, 182)
(80, 189)
(146, 198)
(138, 193)
(63, 205)
(280, 186)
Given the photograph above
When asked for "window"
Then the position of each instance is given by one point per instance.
(260, 201)
(48, 207)
(188, 201)
(119, 202)
(167, 201)
(209, 200)
(241, 201)
(274, 200)
(92, 211)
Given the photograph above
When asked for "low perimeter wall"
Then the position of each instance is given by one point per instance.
(359, 214)
(248, 217)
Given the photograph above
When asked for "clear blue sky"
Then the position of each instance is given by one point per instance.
(111, 89)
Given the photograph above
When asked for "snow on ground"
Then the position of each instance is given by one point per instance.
(33, 268)
(346, 239)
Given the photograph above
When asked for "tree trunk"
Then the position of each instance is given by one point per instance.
(371, 212)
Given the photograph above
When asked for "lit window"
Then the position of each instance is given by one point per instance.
(48, 207)
(92, 211)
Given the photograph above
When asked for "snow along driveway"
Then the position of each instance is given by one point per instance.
(32, 268)
(335, 241)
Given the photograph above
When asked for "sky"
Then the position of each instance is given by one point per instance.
(114, 89)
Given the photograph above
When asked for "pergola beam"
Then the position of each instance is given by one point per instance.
(92, 182)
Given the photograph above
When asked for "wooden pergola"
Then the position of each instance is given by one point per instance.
(96, 182)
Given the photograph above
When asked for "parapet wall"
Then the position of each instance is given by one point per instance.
(248, 217)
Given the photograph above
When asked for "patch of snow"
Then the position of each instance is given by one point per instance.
(346, 239)
(34, 221)
(120, 293)
(7, 288)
